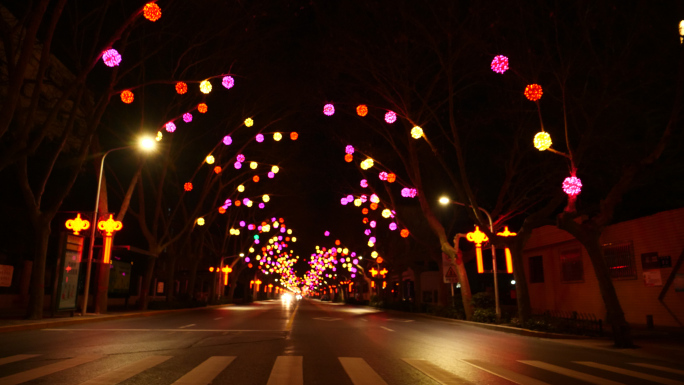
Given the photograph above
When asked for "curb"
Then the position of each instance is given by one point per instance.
(74, 320)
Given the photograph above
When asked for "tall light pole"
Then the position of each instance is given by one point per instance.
(146, 144)
(445, 201)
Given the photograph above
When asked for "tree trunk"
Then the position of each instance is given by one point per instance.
(147, 281)
(522, 294)
(588, 235)
(171, 276)
(37, 291)
(101, 295)
(193, 277)
(466, 295)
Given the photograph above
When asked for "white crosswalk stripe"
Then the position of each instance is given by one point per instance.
(435, 372)
(360, 372)
(661, 368)
(505, 373)
(570, 373)
(18, 357)
(632, 373)
(127, 371)
(205, 372)
(47, 369)
(287, 370)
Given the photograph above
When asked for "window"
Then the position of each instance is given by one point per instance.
(536, 269)
(572, 269)
(620, 260)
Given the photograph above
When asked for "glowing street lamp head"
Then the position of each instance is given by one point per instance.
(444, 200)
(147, 143)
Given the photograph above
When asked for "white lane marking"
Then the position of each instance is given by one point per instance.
(661, 368)
(328, 319)
(632, 373)
(16, 358)
(32, 374)
(164, 330)
(364, 320)
(125, 372)
(360, 372)
(216, 319)
(400, 319)
(205, 372)
(388, 329)
(509, 375)
(186, 326)
(570, 373)
(287, 370)
(435, 372)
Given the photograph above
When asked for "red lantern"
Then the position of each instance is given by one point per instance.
(294, 135)
(391, 177)
(202, 108)
(364, 211)
(152, 12)
(188, 186)
(181, 88)
(374, 206)
(362, 110)
(127, 97)
(533, 92)
(256, 178)
(217, 169)
(404, 233)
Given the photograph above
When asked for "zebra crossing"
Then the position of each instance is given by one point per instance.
(289, 370)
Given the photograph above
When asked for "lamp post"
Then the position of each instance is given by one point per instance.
(146, 144)
(446, 200)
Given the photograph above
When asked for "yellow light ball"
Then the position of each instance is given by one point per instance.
(200, 221)
(266, 198)
(294, 239)
(289, 231)
(241, 188)
(417, 132)
(253, 165)
(371, 244)
(210, 159)
(277, 136)
(357, 202)
(366, 164)
(542, 141)
(159, 136)
(205, 86)
(249, 203)
(251, 249)
(249, 122)
(386, 213)
(374, 254)
(275, 169)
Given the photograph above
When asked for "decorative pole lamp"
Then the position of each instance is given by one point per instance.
(509, 258)
(77, 224)
(147, 144)
(108, 228)
(478, 237)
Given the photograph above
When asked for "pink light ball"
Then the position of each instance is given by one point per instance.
(187, 117)
(390, 117)
(242, 223)
(349, 149)
(170, 127)
(364, 183)
(227, 140)
(392, 226)
(409, 192)
(259, 138)
(383, 176)
(237, 165)
(367, 232)
(344, 201)
(228, 82)
(500, 64)
(240, 158)
(372, 224)
(326, 233)
(572, 185)
(111, 57)
(328, 109)
(271, 174)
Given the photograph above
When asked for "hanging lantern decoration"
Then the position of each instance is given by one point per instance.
(364, 183)
(277, 136)
(205, 86)
(187, 117)
(349, 149)
(409, 192)
(152, 12)
(181, 88)
(374, 198)
(348, 158)
(228, 82)
(391, 177)
(127, 97)
(240, 158)
(478, 237)
(364, 211)
(111, 57)
(542, 141)
(227, 203)
(170, 127)
(390, 117)
(382, 175)
(386, 213)
(210, 159)
(259, 138)
(509, 257)
(366, 164)
(374, 206)
(200, 221)
(253, 165)
(328, 109)
(572, 186)
(404, 233)
(362, 110)
(533, 92)
(222, 210)
(392, 226)
(275, 169)
(416, 132)
(241, 188)
(187, 186)
(265, 198)
(237, 165)
(202, 108)
(294, 135)
(255, 179)
(217, 169)
(249, 122)
(500, 64)
(271, 175)
(227, 140)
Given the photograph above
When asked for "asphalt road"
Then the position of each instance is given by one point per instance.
(312, 342)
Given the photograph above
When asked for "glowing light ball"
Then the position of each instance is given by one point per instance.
(271, 174)
(409, 192)
(240, 158)
(404, 233)
(374, 198)
(294, 136)
(386, 213)
(328, 109)
(350, 197)
(363, 198)
(221, 210)
(237, 203)
(262, 205)
(187, 186)
(326, 233)
(228, 82)
(246, 202)
(200, 221)
(275, 169)
(152, 12)
(217, 169)
(202, 108)
(392, 226)
(572, 185)
(241, 188)
(364, 183)
(368, 163)
(253, 165)
(255, 178)
(265, 198)
(205, 86)
(227, 140)
(367, 232)
(242, 223)
(187, 117)
(372, 239)
(348, 158)
(372, 224)
(500, 64)
(533, 92)
(249, 122)
(159, 136)
(365, 221)
(210, 159)
(227, 203)
(170, 127)
(277, 136)
(391, 177)
(181, 88)
(349, 149)
(382, 175)
(259, 138)
(357, 202)
(362, 110)
(390, 117)
(416, 132)
(542, 141)
(364, 211)
(127, 97)
(111, 57)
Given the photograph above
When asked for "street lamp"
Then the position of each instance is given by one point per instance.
(444, 200)
(147, 145)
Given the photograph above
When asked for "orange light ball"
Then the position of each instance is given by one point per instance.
(364, 211)
(188, 186)
(217, 169)
(152, 12)
(256, 178)
(294, 135)
(362, 110)
(404, 233)
(221, 210)
(365, 220)
(391, 177)
(374, 206)
(348, 158)
(202, 108)
(533, 92)
(127, 97)
(181, 88)
(237, 203)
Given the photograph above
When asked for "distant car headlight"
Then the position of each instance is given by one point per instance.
(287, 297)
(299, 296)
